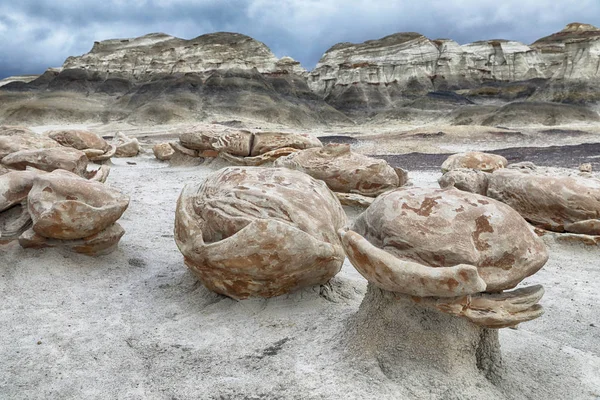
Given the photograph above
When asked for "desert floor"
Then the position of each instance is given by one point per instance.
(135, 324)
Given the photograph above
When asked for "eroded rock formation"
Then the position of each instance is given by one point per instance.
(259, 232)
(126, 146)
(475, 160)
(243, 147)
(374, 75)
(547, 198)
(345, 171)
(94, 147)
(69, 211)
(48, 159)
(431, 256)
(18, 138)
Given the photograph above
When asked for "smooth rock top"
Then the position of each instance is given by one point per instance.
(161, 53)
(474, 160)
(447, 227)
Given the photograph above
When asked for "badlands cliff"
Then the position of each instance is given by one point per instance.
(157, 78)
(376, 73)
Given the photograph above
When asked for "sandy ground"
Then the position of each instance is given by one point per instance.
(135, 324)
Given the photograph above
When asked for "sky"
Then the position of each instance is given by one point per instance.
(37, 34)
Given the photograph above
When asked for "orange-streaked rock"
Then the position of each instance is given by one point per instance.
(101, 243)
(445, 228)
(555, 202)
(18, 138)
(343, 170)
(259, 232)
(474, 160)
(163, 151)
(65, 206)
(80, 140)
(65, 158)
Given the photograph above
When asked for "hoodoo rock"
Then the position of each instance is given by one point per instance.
(431, 256)
(259, 232)
(345, 171)
(470, 243)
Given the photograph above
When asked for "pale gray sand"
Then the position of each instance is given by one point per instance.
(136, 325)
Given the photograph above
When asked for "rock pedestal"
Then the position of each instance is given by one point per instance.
(409, 338)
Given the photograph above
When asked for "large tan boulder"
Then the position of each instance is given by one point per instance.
(65, 158)
(199, 139)
(101, 243)
(343, 170)
(94, 146)
(126, 146)
(238, 143)
(474, 160)
(242, 143)
(14, 187)
(79, 139)
(268, 141)
(451, 250)
(17, 138)
(546, 197)
(163, 151)
(65, 206)
(551, 201)
(259, 232)
(14, 217)
(441, 229)
(469, 180)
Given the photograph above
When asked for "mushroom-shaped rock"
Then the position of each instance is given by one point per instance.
(65, 206)
(16, 138)
(472, 237)
(65, 158)
(551, 201)
(474, 160)
(345, 171)
(163, 151)
(126, 146)
(431, 255)
(259, 232)
(268, 141)
(80, 140)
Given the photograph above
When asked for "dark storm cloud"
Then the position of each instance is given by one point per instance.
(36, 34)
